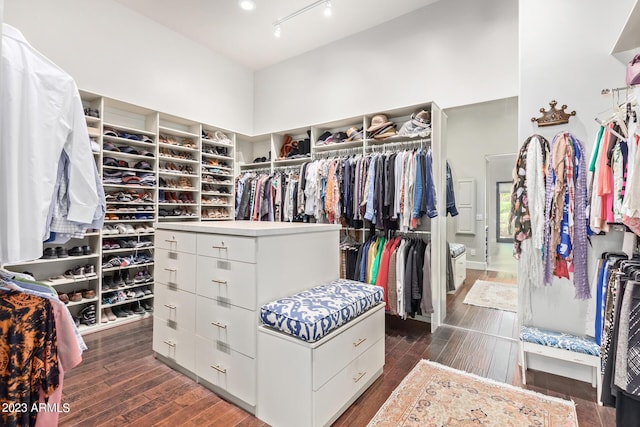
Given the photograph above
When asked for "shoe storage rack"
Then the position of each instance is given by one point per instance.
(154, 167)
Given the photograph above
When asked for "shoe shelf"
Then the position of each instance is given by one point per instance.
(177, 132)
(116, 202)
(130, 130)
(124, 250)
(132, 186)
(178, 204)
(215, 205)
(178, 159)
(217, 143)
(149, 146)
(92, 120)
(178, 147)
(126, 287)
(128, 267)
(120, 154)
(120, 235)
(216, 156)
(116, 221)
(172, 217)
(124, 320)
(174, 173)
(118, 168)
(191, 189)
(60, 282)
(215, 193)
(82, 301)
(130, 300)
(52, 260)
(291, 162)
(338, 146)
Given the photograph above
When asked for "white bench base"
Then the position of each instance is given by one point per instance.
(561, 354)
(311, 384)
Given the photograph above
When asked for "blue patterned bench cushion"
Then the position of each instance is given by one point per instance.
(560, 340)
(456, 249)
(311, 314)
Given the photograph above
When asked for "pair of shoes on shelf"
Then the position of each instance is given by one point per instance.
(81, 272)
(106, 315)
(88, 315)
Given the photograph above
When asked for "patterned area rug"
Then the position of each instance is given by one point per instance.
(436, 395)
(501, 296)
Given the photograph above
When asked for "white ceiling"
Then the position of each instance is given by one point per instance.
(246, 37)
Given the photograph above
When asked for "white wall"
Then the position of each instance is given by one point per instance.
(113, 51)
(453, 52)
(474, 132)
(565, 55)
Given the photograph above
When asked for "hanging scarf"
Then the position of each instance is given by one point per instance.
(566, 145)
(520, 215)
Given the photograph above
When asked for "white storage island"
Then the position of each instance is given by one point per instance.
(212, 279)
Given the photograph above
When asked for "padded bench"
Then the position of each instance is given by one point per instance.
(563, 346)
(319, 351)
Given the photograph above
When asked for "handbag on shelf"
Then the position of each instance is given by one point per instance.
(633, 71)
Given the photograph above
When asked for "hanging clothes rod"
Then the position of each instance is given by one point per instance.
(615, 89)
(266, 169)
(342, 151)
(403, 144)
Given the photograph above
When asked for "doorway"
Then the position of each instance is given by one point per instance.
(499, 247)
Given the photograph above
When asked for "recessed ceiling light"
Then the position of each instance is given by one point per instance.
(247, 4)
(277, 31)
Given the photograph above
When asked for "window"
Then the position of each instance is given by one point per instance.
(503, 206)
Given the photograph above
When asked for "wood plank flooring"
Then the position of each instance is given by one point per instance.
(120, 383)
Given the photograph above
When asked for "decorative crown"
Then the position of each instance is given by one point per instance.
(553, 116)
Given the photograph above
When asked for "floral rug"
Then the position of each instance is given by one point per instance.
(437, 395)
(501, 296)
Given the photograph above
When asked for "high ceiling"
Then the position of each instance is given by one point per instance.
(246, 37)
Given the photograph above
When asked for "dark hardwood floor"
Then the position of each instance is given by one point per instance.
(494, 322)
(120, 383)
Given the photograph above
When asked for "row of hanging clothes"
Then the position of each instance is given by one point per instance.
(615, 160)
(548, 210)
(618, 332)
(398, 262)
(262, 196)
(39, 342)
(390, 190)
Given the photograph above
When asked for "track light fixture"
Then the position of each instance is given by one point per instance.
(247, 4)
(328, 11)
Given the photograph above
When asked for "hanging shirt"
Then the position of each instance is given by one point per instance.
(28, 355)
(42, 116)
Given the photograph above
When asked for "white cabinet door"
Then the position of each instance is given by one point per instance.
(176, 306)
(227, 325)
(231, 282)
(175, 344)
(227, 369)
(176, 269)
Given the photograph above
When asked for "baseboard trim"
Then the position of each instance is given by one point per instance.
(476, 265)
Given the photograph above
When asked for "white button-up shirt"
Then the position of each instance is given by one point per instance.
(41, 115)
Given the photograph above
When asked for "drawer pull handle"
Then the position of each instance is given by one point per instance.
(170, 343)
(360, 341)
(170, 240)
(220, 247)
(171, 270)
(222, 282)
(219, 369)
(219, 325)
(170, 307)
(359, 377)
